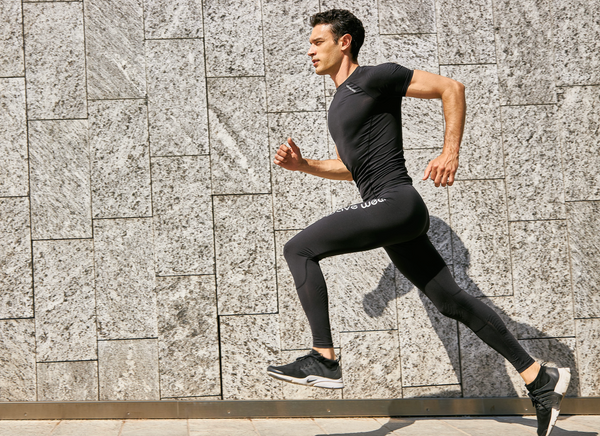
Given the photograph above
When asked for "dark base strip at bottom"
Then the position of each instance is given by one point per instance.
(172, 409)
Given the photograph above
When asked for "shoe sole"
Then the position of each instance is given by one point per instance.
(564, 377)
(311, 380)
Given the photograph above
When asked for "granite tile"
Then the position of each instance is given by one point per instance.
(183, 215)
(406, 17)
(436, 200)
(65, 300)
(293, 324)
(12, 60)
(559, 352)
(68, 381)
(365, 283)
(177, 97)
(59, 165)
(418, 52)
(165, 19)
(579, 122)
(295, 91)
(525, 52)
(440, 391)
(244, 362)
(371, 364)
(14, 177)
(485, 373)
(531, 151)
(576, 31)
(480, 237)
(245, 254)
(188, 343)
(299, 199)
(234, 38)
(239, 143)
(120, 159)
(16, 298)
(55, 59)
(584, 246)
(128, 370)
(588, 355)
(291, 81)
(293, 391)
(125, 288)
(422, 124)
(465, 31)
(429, 352)
(17, 360)
(114, 37)
(481, 149)
(541, 278)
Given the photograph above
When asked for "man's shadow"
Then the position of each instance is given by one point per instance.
(388, 428)
(398, 423)
(482, 381)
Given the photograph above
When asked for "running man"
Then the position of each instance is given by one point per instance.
(365, 123)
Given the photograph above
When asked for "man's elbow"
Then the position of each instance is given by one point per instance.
(453, 89)
(458, 87)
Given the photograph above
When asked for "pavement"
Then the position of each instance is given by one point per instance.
(580, 425)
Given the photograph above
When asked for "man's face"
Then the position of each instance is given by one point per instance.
(326, 54)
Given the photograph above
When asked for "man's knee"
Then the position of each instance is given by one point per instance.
(293, 249)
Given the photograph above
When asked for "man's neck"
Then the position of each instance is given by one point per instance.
(346, 68)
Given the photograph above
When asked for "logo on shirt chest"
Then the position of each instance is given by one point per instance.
(351, 89)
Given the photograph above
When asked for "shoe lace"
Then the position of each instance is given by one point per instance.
(538, 403)
(543, 401)
(311, 356)
(305, 357)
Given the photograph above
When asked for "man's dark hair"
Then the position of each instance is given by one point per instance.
(342, 22)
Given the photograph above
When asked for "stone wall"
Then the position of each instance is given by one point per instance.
(142, 221)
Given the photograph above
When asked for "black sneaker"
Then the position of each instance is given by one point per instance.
(546, 399)
(310, 370)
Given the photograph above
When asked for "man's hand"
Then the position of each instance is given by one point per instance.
(289, 156)
(442, 169)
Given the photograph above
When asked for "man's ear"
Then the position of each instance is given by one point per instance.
(346, 41)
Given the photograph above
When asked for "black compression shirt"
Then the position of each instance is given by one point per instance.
(366, 126)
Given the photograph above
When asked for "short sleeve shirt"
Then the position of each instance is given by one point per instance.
(366, 125)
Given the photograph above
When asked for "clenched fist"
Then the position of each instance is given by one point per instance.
(288, 156)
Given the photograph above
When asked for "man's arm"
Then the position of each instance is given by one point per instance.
(290, 158)
(427, 85)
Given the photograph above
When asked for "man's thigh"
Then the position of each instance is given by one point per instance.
(359, 227)
(417, 260)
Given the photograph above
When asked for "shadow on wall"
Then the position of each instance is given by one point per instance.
(375, 302)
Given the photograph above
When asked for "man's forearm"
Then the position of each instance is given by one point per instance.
(332, 169)
(453, 100)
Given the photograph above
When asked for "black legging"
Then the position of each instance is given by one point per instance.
(397, 221)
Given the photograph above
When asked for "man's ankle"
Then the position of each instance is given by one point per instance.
(327, 353)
